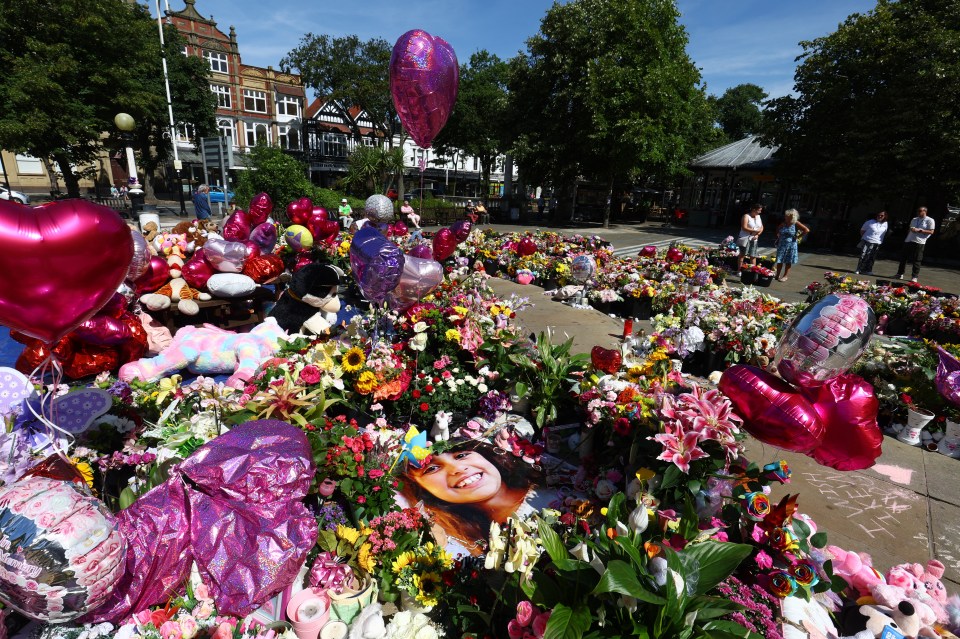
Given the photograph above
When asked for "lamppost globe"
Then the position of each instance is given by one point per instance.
(124, 122)
(127, 124)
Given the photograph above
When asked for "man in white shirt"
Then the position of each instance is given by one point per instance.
(921, 228)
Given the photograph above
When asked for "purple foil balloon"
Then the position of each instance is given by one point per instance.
(376, 262)
(233, 507)
(424, 77)
(948, 377)
(265, 235)
(423, 251)
(420, 276)
(461, 229)
(226, 257)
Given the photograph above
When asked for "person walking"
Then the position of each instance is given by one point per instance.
(751, 226)
(921, 228)
(871, 237)
(787, 238)
(410, 213)
(201, 202)
(346, 214)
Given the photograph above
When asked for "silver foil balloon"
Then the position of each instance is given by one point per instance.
(824, 341)
(226, 257)
(379, 209)
(141, 257)
(583, 268)
(128, 289)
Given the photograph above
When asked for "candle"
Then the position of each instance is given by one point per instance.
(627, 327)
(311, 609)
(334, 630)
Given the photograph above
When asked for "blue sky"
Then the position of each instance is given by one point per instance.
(732, 41)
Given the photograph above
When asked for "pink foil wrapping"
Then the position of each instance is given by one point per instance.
(948, 377)
(234, 507)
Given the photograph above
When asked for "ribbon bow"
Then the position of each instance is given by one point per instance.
(330, 572)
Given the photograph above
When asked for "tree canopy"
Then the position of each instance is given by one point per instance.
(739, 111)
(875, 112)
(608, 91)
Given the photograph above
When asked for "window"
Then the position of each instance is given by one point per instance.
(369, 142)
(226, 128)
(254, 101)
(256, 132)
(335, 144)
(217, 60)
(222, 92)
(288, 137)
(288, 105)
(475, 164)
(185, 132)
(29, 165)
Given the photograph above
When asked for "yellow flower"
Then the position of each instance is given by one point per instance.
(349, 534)
(365, 559)
(452, 335)
(461, 310)
(404, 560)
(85, 470)
(353, 360)
(366, 383)
(428, 588)
(634, 374)
(167, 385)
(645, 474)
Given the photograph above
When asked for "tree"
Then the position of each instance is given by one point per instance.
(276, 173)
(739, 111)
(476, 125)
(350, 73)
(69, 67)
(607, 91)
(874, 113)
(371, 169)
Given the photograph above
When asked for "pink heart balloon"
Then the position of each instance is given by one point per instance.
(424, 77)
(299, 211)
(444, 244)
(253, 249)
(422, 251)
(400, 229)
(674, 254)
(773, 411)
(61, 262)
(197, 270)
(226, 257)
(319, 211)
(848, 409)
(327, 231)
(156, 275)
(265, 235)
(648, 251)
(461, 229)
(526, 247)
(314, 222)
(261, 206)
(236, 228)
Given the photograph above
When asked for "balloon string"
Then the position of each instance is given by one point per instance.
(47, 415)
(423, 168)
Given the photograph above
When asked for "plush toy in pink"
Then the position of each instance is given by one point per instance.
(208, 349)
(931, 581)
(893, 596)
(922, 584)
(856, 569)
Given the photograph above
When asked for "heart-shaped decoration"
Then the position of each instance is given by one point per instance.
(261, 206)
(674, 254)
(526, 247)
(14, 388)
(75, 412)
(773, 411)
(236, 228)
(224, 256)
(69, 257)
(299, 211)
(848, 409)
(648, 251)
(461, 229)
(265, 235)
(197, 270)
(400, 229)
(444, 244)
(419, 277)
(424, 77)
(606, 359)
(328, 231)
(422, 251)
(320, 212)
(321, 227)
(263, 268)
(156, 275)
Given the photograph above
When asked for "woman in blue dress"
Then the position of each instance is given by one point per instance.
(787, 237)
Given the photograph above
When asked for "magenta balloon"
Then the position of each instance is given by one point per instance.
(376, 262)
(422, 251)
(320, 212)
(60, 263)
(419, 277)
(141, 256)
(400, 229)
(674, 254)
(226, 257)
(444, 244)
(948, 377)
(197, 270)
(156, 275)
(236, 228)
(253, 249)
(299, 211)
(848, 409)
(315, 223)
(648, 251)
(265, 235)
(461, 229)
(526, 247)
(424, 77)
(773, 411)
(115, 306)
(103, 330)
(261, 206)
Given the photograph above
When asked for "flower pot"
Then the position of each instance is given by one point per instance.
(642, 308)
(748, 277)
(764, 280)
(346, 605)
(917, 419)
(409, 602)
(308, 611)
(950, 444)
(524, 278)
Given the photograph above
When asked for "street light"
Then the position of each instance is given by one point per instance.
(177, 164)
(127, 124)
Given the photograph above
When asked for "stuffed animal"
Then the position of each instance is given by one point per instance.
(856, 569)
(208, 349)
(194, 232)
(931, 579)
(893, 596)
(441, 426)
(310, 302)
(922, 584)
(176, 290)
(150, 231)
(173, 248)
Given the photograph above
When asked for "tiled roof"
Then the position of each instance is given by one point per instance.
(747, 153)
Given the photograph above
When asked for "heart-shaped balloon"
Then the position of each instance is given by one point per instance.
(444, 244)
(224, 256)
(60, 263)
(156, 275)
(424, 77)
(526, 247)
(299, 211)
(265, 235)
(261, 206)
(253, 249)
(318, 223)
(847, 407)
(606, 359)
(263, 268)
(103, 330)
(141, 257)
(400, 229)
(320, 212)
(674, 254)
(302, 260)
(327, 231)
(648, 251)
(461, 229)
(236, 228)
(773, 411)
(419, 277)
(376, 262)
(422, 251)
(197, 270)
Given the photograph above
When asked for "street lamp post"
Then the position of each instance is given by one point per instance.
(127, 124)
(177, 164)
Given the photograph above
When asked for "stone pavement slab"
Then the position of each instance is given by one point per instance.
(942, 475)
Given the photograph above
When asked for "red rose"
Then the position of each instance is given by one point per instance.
(416, 394)
(424, 407)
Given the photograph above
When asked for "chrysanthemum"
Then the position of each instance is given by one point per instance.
(353, 359)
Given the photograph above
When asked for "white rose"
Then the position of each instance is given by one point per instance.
(419, 327)
(482, 388)
(418, 342)
(427, 632)
(605, 489)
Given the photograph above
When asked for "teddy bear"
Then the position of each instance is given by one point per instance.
(194, 232)
(922, 584)
(172, 247)
(856, 569)
(209, 349)
(310, 302)
(176, 290)
(150, 231)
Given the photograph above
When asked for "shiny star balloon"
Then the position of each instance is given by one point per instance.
(424, 77)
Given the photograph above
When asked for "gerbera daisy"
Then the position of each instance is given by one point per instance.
(353, 359)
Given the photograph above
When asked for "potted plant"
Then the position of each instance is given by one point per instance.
(548, 382)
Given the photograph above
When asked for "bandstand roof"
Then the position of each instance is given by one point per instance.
(747, 153)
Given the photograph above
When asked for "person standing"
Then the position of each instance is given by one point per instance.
(871, 237)
(201, 202)
(751, 227)
(921, 228)
(346, 214)
(410, 213)
(787, 238)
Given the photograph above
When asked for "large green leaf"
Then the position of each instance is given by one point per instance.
(717, 560)
(621, 578)
(551, 542)
(568, 623)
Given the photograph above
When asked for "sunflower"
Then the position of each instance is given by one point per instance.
(365, 558)
(635, 374)
(85, 470)
(366, 383)
(428, 588)
(353, 359)
(404, 560)
(349, 534)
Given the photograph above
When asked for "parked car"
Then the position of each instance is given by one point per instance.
(16, 196)
(216, 194)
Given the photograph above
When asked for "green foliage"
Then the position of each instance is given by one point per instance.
(276, 173)
(549, 380)
(738, 111)
(372, 169)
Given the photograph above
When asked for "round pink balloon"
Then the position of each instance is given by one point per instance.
(773, 411)
(848, 409)
(197, 270)
(261, 206)
(424, 77)
(60, 262)
(648, 251)
(236, 228)
(156, 275)
(422, 251)
(299, 211)
(444, 244)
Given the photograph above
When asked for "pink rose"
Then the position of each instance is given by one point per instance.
(204, 610)
(525, 612)
(201, 592)
(540, 624)
(171, 630)
(142, 617)
(223, 631)
(310, 374)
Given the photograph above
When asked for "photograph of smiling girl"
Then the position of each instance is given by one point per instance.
(468, 486)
